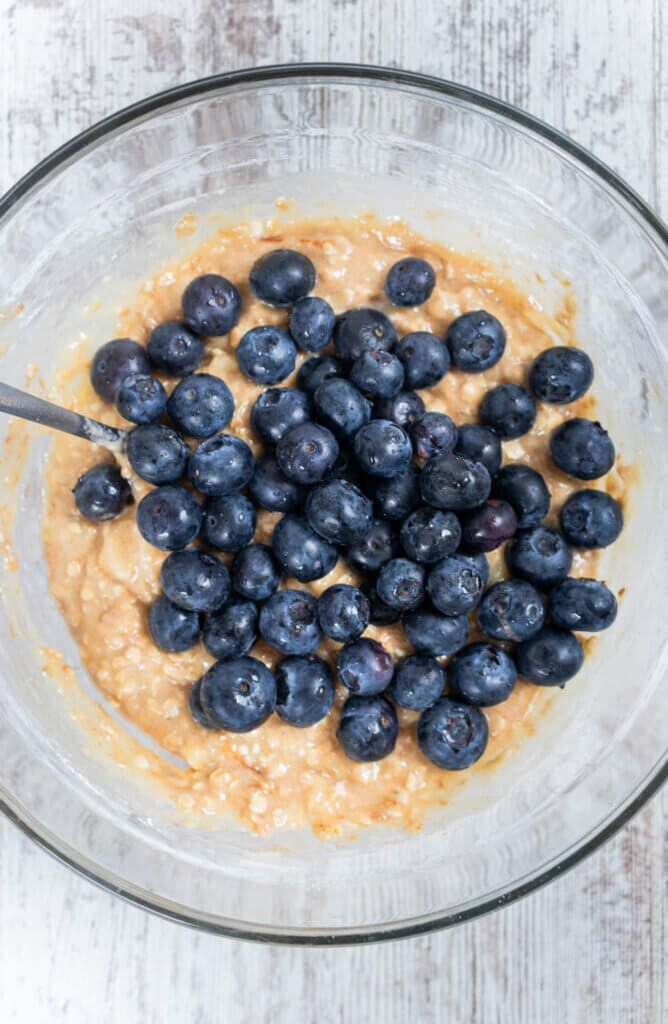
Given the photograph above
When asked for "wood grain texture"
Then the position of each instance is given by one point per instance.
(589, 949)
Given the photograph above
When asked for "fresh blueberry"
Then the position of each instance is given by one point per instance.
(141, 399)
(195, 580)
(339, 512)
(430, 534)
(282, 277)
(403, 409)
(453, 482)
(102, 492)
(255, 573)
(266, 354)
(211, 306)
(169, 518)
(550, 657)
(435, 634)
(524, 489)
(314, 372)
(591, 519)
(271, 489)
(410, 282)
(228, 523)
(368, 728)
(425, 358)
(476, 341)
(289, 622)
(584, 605)
(380, 614)
(455, 584)
(363, 330)
(511, 610)
(487, 527)
(452, 735)
(418, 682)
(307, 452)
(312, 323)
(201, 405)
(432, 434)
(396, 497)
(115, 361)
(480, 564)
(509, 410)
(382, 448)
(238, 694)
(196, 709)
(341, 407)
(232, 630)
(343, 612)
(540, 555)
(482, 674)
(221, 465)
(172, 629)
(378, 373)
(346, 468)
(561, 374)
(301, 551)
(364, 667)
(583, 449)
(376, 548)
(175, 349)
(157, 453)
(400, 584)
(275, 410)
(305, 690)
(480, 444)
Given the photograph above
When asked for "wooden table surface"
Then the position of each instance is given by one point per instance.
(591, 947)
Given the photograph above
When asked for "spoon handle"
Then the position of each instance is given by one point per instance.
(29, 407)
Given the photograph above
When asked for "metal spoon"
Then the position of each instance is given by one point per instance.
(29, 407)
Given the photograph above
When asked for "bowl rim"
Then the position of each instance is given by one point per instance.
(354, 73)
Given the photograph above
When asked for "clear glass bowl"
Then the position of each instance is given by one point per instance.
(96, 216)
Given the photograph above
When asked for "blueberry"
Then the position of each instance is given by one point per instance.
(169, 518)
(141, 399)
(211, 306)
(255, 573)
(400, 584)
(232, 630)
(482, 674)
(480, 564)
(289, 622)
(343, 612)
(307, 452)
(591, 519)
(368, 728)
(221, 465)
(410, 282)
(195, 580)
(346, 468)
(550, 657)
(585, 605)
(228, 523)
(376, 548)
(115, 361)
(271, 489)
(511, 610)
(196, 709)
(509, 410)
(341, 407)
(102, 493)
(435, 634)
(453, 482)
(201, 405)
(402, 409)
(480, 444)
(172, 629)
(275, 410)
(487, 527)
(379, 374)
(476, 341)
(157, 453)
(418, 682)
(282, 277)
(238, 694)
(524, 489)
(455, 584)
(339, 512)
(175, 349)
(430, 534)
(363, 330)
(314, 372)
(312, 323)
(397, 497)
(266, 354)
(380, 614)
(561, 374)
(452, 735)
(382, 448)
(301, 551)
(364, 667)
(583, 449)
(540, 555)
(432, 434)
(305, 690)
(425, 358)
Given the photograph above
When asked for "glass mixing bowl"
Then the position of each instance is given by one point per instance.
(79, 231)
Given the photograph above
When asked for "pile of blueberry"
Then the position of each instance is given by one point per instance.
(360, 471)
